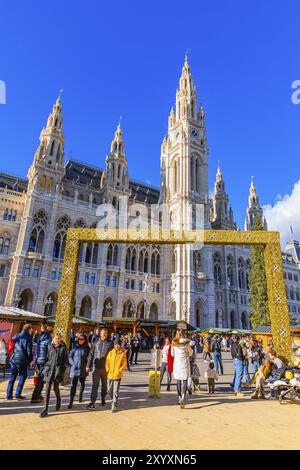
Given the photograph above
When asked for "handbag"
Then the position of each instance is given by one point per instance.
(66, 377)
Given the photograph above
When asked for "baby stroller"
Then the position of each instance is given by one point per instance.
(196, 377)
(292, 391)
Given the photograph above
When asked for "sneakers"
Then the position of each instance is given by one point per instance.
(113, 408)
(91, 407)
(9, 398)
(20, 398)
(43, 414)
(239, 394)
(182, 404)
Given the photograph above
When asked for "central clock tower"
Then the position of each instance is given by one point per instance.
(184, 188)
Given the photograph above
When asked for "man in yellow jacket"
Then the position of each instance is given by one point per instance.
(115, 366)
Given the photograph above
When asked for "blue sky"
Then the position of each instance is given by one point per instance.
(125, 58)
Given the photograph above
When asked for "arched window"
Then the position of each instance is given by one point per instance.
(248, 267)
(26, 300)
(244, 320)
(52, 147)
(133, 260)
(115, 255)
(291, 293)
(109, 255)
(59, 246)
(37, 237)
(199, 313)
(230, 275)
(141, 310)
(197, 261)
(232, 319)
(127, 259)
(50, 304)
(242, 273)
(155, 263)
(217, 268)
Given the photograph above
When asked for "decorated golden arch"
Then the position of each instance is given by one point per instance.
(278, 306)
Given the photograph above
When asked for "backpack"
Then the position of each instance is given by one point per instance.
(11, 347)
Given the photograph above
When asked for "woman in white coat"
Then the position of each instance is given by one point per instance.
(181, 351)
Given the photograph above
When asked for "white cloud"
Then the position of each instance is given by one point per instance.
(285, 213)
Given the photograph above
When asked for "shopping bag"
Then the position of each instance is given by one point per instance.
(154, 383)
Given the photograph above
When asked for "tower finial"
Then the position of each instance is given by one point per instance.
(186, 57)
(60, 93)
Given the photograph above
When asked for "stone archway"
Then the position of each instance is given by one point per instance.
(50, 304)
(199, 313)
(26, 300)
(153, 315)
(86, 307)
(128, 309)
(140, 310)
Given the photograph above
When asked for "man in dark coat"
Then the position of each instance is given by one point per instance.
(216, 347)
(44, 340)
(20, 360)
(96, 364)
(78, 358)
(55, 367)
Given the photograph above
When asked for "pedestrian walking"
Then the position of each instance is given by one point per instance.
(96, 364)
(115, 367)
(238, 358)
(167, 361)
(44, 339)
(20, 361)
(78, 358)
(55, 367)
(207, 349)
(135, 347)
(181, 351)
(216, 347)
(125, 345)
(211, 376)
(3, 355)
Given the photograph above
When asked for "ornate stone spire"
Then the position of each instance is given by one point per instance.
(254, 209)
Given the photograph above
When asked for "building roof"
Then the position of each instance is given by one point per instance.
(268, 329)
(14, 313)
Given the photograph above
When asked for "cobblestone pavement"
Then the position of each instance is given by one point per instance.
(219, 421)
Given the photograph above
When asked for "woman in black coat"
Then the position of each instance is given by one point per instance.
(55, 367)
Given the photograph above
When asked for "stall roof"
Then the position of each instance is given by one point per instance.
(268, 328)
(13, 313)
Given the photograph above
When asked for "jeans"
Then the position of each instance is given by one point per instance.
(37, 392)
(163, 369)
(74, 387)
(181, 388)
(238, 370)
(16, 371)
(56, 391)
(255, 366)
(218, 362)
(246, 371)
(99, 374)
(113, 390)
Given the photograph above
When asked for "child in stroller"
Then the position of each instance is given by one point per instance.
(196, 377)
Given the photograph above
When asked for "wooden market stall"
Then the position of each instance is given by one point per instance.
(12, 320)
(264, 333)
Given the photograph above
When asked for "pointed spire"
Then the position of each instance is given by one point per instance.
(117, 145)
(219, 176)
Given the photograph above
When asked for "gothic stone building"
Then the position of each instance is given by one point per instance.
(208, 286)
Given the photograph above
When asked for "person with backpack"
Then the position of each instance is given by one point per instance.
(216, 347)
(44, 339)
(19, 362)
(55, 367)
(78, 358)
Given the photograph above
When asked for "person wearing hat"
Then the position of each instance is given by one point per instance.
(115, 367)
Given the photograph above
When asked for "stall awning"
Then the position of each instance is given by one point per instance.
(9, 313)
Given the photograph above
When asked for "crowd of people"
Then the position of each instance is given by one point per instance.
(107, 357)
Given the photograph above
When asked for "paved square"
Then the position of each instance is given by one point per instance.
(220, 421)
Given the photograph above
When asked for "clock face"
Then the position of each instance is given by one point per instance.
(194, 132)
